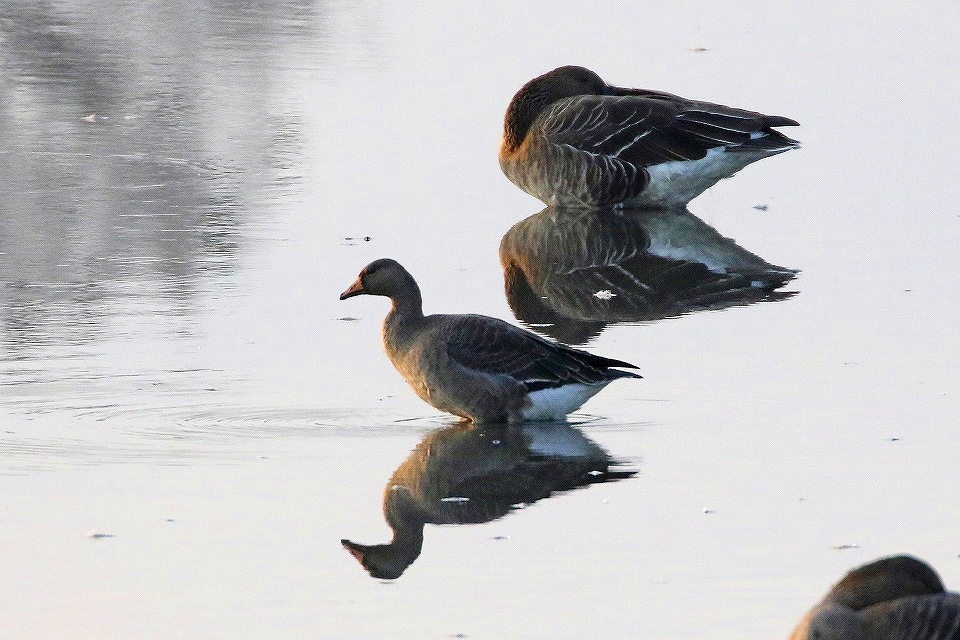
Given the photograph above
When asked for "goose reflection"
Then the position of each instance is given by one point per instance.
(577, 270)
(463, 474)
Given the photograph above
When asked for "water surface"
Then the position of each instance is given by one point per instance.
(185, 189)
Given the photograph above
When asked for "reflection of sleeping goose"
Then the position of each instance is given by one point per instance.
(572, 140)
(479, 367)
(581, 268)
(895, 598)
(464, 474)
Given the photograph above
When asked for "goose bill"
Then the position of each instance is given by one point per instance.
(355, 289)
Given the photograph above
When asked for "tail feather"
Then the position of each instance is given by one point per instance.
(602, 361)
(779, 121)
(769, 141)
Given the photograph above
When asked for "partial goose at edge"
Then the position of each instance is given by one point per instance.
(893, 598)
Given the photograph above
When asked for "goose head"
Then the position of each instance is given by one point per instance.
(537, 94)
(383, 277)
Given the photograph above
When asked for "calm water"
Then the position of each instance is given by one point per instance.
(186, 187)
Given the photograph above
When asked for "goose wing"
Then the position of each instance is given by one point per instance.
(928, 617)
(647, 128)
(496, 347)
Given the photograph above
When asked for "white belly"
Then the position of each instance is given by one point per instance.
(555, 404)
(677, 183)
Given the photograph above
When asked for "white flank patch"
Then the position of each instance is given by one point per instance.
(556, 403)
(679, 182)
(606, 294)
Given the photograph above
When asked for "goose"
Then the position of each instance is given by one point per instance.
(477, 367)
(893, 598)
(572, 140)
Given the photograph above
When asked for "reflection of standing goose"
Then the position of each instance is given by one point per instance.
(464, 474)
(579, 269)
(478, 367)
(572, 140)
(895, 598)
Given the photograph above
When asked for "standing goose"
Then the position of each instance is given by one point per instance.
(478, 367)
(572, 140)
(895, 598)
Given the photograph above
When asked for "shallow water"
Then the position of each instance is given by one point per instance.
(185, 189)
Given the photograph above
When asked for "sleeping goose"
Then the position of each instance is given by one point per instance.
(894, 598)
(572, 140)
(478, 367)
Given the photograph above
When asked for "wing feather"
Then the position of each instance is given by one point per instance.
(647, 129)
(928, 617)
(496, 347)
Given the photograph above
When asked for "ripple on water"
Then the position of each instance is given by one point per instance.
(187, 416)
(177, 429)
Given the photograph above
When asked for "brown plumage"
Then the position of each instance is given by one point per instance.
(478, 367)
(895, 598)
(572, 140)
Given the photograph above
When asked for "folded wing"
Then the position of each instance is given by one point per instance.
(496, 347)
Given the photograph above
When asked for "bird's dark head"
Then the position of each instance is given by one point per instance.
(542, 91)
(572, 80)
(381, 277)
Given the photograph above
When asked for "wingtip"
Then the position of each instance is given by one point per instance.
(781, 121)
